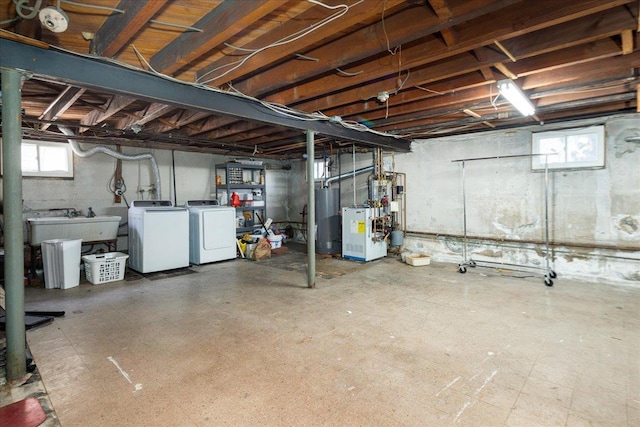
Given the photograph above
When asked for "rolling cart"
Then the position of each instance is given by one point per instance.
(467, 261)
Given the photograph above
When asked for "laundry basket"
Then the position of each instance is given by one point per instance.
(102, 268)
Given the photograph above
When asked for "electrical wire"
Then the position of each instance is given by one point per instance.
(171, 24)
(430, 90)
(384, 29)
(277, 108)
(91, 6)
(308, 58)
(285, 40)
(348, 74)
(9, 21)
(403, 82)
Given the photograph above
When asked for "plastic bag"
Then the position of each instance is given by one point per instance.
(262, 250)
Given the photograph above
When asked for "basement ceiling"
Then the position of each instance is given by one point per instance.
(414, 69)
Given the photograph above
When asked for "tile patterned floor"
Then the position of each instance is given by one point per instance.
(244, 343)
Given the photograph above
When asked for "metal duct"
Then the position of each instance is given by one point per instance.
(347, 175)
(106, 150)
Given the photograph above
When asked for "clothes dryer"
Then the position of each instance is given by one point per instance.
(212, 231)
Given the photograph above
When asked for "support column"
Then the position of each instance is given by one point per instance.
(311, 213)
(13, 240)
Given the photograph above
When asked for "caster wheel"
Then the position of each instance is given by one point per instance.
(548, 281)
(552, 274)
(472, 264)
(462, 270)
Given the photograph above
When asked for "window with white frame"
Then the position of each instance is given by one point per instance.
(569, 148)
(46, 159)
(320, 170)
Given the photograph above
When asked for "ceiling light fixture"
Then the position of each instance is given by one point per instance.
(383, 96)
(54, 19)
(516, 97)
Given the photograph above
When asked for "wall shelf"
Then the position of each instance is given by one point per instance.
(248, 181)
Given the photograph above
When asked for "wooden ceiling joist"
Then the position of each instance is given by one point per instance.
(124, 82)
(224, 21)
(120, 28)
(61, 104)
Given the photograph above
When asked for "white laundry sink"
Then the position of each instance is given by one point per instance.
(94, 229)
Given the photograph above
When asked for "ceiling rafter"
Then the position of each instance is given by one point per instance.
(223, 21)
(119, 29)
(358, 13)
(401, 28)
(436, 77)
(61, 104)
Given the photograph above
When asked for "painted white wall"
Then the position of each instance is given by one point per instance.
(194, 179)
(594, 215)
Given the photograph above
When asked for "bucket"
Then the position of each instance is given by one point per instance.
(250, 248)
(397, 238)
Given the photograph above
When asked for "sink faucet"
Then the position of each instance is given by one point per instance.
(91, 213)
(71, 213)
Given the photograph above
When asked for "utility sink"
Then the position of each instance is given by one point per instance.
(94, 229)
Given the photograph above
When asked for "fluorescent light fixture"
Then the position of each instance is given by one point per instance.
(516, 97)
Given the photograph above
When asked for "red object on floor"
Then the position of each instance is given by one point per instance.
(25, 413)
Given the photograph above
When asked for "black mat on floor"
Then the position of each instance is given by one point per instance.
(134, 275)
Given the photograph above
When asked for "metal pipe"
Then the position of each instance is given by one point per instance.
(13, 239)
(348, 174)
(311, 214)
(546, 214)
(353, 154)
(464, 212)
(75, 147)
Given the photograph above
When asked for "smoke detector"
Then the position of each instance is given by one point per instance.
(383, 96)
(54, 19)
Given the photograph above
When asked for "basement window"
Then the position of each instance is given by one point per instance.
(579, 148)
(46, 159)
(320, 170)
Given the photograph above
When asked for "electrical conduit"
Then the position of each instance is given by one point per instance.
(75, 147)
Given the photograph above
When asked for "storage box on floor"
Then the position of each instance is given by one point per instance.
(61, 262)
(103, 268)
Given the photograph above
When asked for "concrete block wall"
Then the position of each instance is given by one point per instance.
(194, 179)
(594, 215)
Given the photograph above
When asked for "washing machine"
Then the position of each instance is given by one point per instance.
(158, 236)
(212, 231)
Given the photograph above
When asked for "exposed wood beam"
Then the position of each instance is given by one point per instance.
(126, 82)
(627, 42)
(502, 24)
(504, 70)
(409, 25)
(606, 48)
(358, 13)
(567, 74)
(180, 119)
(115, 105)
(61, 104)
(460, 64)
(579, 31)
(441, 8)
(505, 50)
(223, 22)
(487, 72)
(449, 36)
(118, 29)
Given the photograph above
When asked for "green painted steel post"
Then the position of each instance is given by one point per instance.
(311, 213)
(13, 240)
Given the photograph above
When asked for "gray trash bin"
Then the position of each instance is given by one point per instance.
(61, 262)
